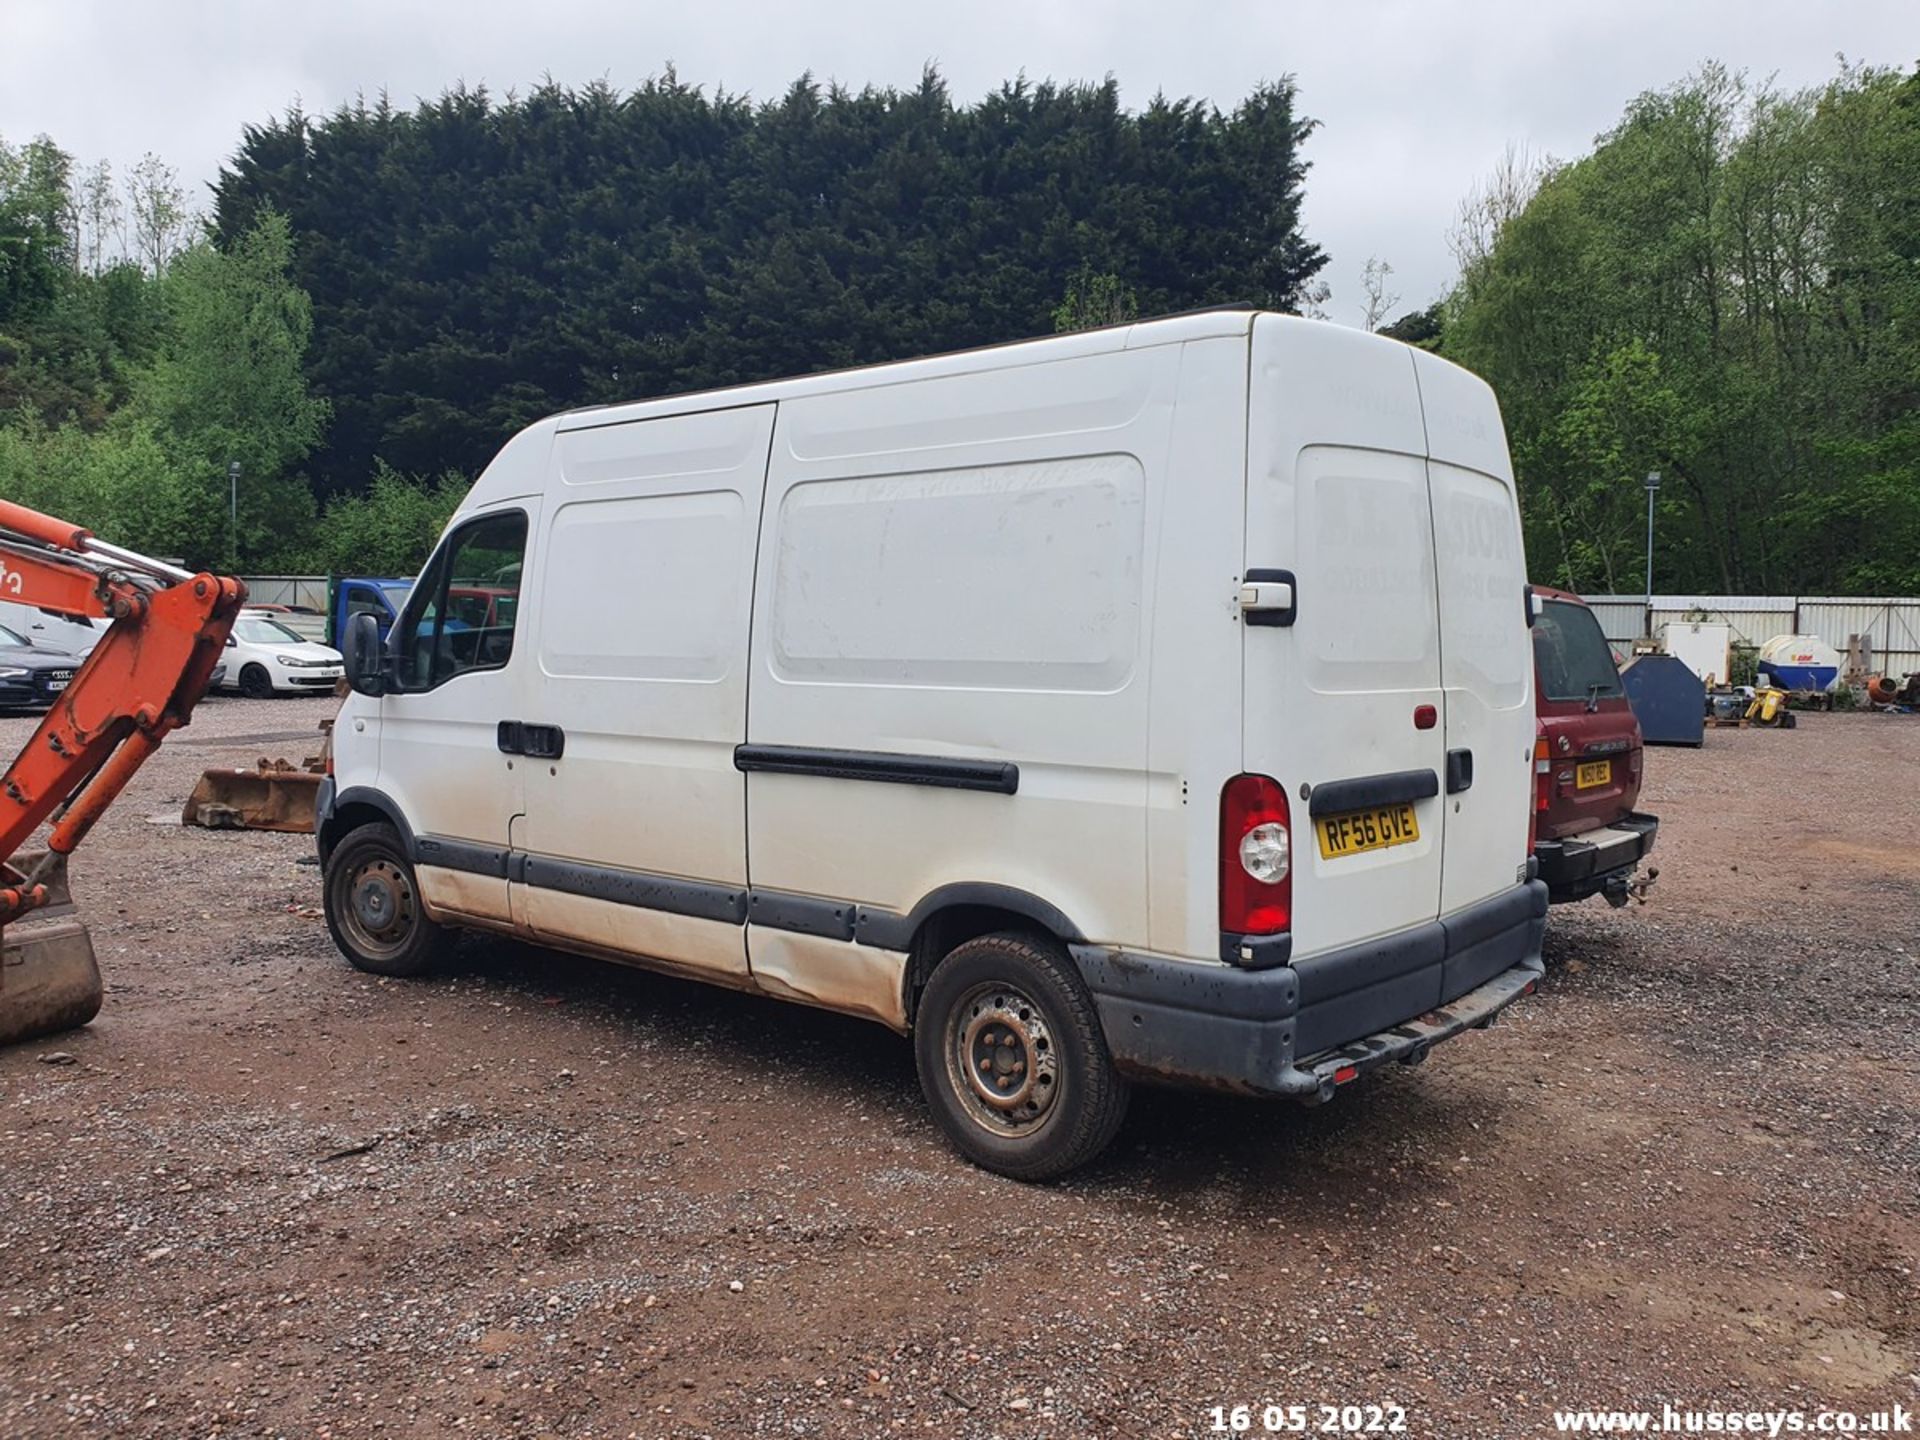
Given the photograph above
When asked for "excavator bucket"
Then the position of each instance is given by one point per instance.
(49, 980)
(274, 795)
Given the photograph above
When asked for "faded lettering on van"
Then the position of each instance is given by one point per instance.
(1366, 570)
(1023, 576)
(1482, 584)
(644, 587)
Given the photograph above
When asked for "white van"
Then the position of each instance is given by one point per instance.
(72, 634)
(1147, 703)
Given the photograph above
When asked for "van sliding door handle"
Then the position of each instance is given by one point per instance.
(536, 742)
(545, 742)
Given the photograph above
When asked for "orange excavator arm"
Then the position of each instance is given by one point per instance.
(140, 683)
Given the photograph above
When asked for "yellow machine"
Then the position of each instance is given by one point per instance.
(1769, 707)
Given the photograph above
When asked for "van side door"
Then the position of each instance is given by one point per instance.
(634, 837)
(450, 684)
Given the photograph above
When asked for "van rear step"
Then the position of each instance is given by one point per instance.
(1318, 1077)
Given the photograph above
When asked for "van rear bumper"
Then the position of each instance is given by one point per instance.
(1303, 1029)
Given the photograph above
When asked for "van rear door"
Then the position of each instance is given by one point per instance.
(1342, 705)
(1486, 647)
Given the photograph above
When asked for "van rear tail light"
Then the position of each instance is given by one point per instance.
(1542, 783)
(1256, 857)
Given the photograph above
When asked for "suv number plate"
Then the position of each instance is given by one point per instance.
(1594, 772)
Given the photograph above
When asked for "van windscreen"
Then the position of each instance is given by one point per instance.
(1571, 654)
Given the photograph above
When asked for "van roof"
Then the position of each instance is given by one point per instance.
(516, 468)
(1130, 335)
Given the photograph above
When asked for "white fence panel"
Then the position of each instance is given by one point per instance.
(1893, 622)
(1754, 620)
(307, 590)
(1621, 621)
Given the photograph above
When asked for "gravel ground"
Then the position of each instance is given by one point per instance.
(542, 1197)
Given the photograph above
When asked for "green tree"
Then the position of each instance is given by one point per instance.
(36, 242)
(125, 394)
(1725, 290)
(475, 262)
(1094, 300)
(227, 387)
(392, 528)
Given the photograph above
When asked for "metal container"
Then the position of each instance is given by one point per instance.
(1667, 698)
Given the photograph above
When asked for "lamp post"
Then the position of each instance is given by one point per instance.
(233, 514)
(1653, 488)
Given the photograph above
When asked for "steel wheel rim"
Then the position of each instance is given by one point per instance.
(378, 908)
(1002, 1060)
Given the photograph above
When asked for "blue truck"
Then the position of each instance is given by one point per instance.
(350, 595)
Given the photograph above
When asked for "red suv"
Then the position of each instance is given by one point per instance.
(1588, 838)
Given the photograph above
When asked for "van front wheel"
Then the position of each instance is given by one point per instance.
(372, 903)
(1012, 1059)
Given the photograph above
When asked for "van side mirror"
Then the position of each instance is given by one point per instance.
(365, 659)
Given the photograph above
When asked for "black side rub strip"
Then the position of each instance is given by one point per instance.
(997, 776)
(870, 925)
(634, 887)
(1335, 797)
(460, 855)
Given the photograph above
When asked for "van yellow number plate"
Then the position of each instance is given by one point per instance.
(1594, 772)
(1360, 830)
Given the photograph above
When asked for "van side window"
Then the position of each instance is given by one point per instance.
(461, 613)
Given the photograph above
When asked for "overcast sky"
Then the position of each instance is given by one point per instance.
(1417, 98)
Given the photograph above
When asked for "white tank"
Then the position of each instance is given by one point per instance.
(1800, 662)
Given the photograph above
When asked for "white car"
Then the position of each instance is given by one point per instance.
(265, 658)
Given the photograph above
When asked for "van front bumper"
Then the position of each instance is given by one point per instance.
(1303, 1029)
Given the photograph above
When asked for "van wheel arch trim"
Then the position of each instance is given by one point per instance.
(328, 834)
(889, 930)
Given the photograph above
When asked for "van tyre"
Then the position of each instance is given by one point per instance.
(255, 683)
(372, 903)
(1012, 1058)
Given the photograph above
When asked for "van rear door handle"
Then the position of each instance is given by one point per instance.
(1459, 771)
(1267, 597)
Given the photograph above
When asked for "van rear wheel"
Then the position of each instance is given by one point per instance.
(1012, 1059)
(372, 903)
